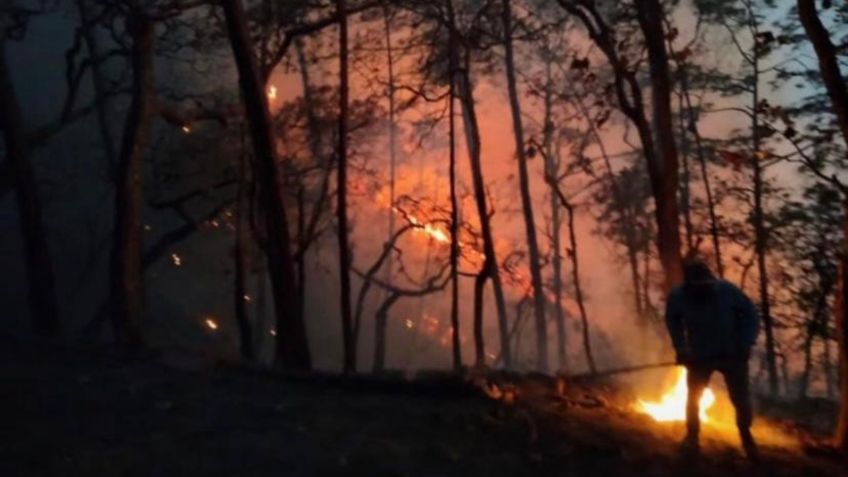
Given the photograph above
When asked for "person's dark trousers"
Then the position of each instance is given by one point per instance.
(735, 373)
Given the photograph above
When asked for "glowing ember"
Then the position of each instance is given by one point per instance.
(672, 404)
(211, 324)
(409, 324)
(272, 92)
(186, 129)
(246, 298)
(176, 259)
(273, 332)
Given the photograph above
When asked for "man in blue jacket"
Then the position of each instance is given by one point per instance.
(713, 326)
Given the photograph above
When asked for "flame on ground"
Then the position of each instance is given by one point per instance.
(672, 405)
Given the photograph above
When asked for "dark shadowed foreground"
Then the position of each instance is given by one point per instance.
(71, 412)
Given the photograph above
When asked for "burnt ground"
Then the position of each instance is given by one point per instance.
(81, 412)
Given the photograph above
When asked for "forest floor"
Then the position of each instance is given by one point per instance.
(82, 412)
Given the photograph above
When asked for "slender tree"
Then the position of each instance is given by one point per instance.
(490, 268)
(454, 203)
(127, 283)
(41, 286)
(837, 91)
(650, 15)
(551, 171)
(341, 194)
(660, 154)
(539, 301)
(292, 350)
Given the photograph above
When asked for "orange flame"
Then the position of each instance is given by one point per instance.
(672, 405)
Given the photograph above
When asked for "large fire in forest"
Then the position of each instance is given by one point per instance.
(672, 404)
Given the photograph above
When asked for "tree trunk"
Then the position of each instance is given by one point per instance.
(307, 233)
(490, 269)
(578, 289)
(241, 258)
(380, 322)
(661, 157)
(260, 311)
(341, 194)
(551, 171)
(758, 222)
(826, 53)
(127, 292)
(575, 274)
(685, 179)
(665, 168)
(41, 284)
(539, 301)
(828, 371)
(804, 380)
(479, 343)
(292, 350)
(454, 225)
(835, 84)
(392, 132)
(841, 316)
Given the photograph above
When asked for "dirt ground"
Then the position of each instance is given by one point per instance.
(81, 412)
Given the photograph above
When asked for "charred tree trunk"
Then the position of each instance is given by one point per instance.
(838, 93)
(292, 350)
(241, 258)
(665, 168)
(539, 302)
(454, 225)
(489, 269)
(479, 343)
(127, 292)
(41, 284)
(341, 194)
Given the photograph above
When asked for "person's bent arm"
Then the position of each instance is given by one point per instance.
(674, 323)
(749, 318)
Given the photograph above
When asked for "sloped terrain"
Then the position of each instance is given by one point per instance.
(76, 412)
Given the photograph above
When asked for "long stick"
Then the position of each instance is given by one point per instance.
(611, 372)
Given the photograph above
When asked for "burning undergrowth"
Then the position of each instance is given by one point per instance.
(624, 413)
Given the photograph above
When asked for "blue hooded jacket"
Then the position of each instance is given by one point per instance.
(715, 322)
